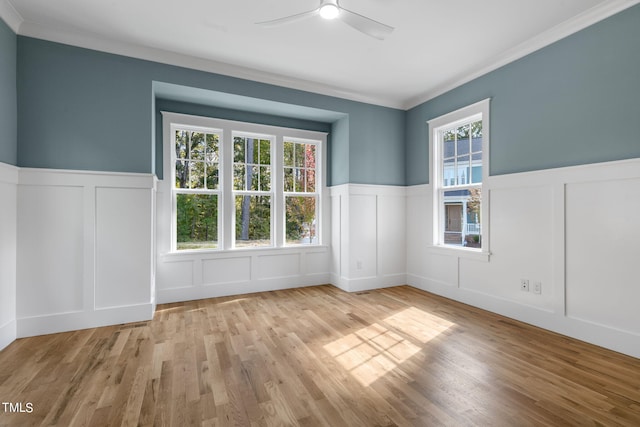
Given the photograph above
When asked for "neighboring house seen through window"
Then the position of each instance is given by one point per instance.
(459, 147)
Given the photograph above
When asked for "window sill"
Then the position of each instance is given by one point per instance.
(461, 252)
(232, 253)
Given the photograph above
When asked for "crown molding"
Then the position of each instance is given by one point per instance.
(10, 15)
(65, 36)
(554, 34)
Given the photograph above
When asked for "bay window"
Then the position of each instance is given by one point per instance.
(237, 185)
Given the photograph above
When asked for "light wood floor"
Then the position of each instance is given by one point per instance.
(319, 356)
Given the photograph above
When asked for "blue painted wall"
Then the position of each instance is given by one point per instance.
(574, 102)
(8, 97)
(376, 145)
(87, 110)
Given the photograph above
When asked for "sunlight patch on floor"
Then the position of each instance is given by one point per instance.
(375, 350)
(419, 324)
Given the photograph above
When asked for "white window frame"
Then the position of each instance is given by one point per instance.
(479, 110)
(226, 206)
(230, 201)
(172, 176)
(317, 194)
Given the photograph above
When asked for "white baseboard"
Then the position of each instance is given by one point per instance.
(7, 334)
(64, 322)
(368, 283)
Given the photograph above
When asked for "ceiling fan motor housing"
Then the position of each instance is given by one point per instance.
(329, 9)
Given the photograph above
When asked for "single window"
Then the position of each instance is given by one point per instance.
(459, 153)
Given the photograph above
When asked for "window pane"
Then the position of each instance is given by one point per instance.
(462, 221)
(213, 176)
(301, 220)
(265, 178)
(288, 179)
(449, 149)
(476, 129)
(197, 221)
(453, 217)
(473, 225)
(449, 173)
(476, 174)
(253, 178)
(448, 135)
(238, 149)
(182, 173)
(298, 153)
(239, 177)
(182, 140)
(265, 152)
(197, 146)
(462, 171)
(213, 153)
(299, 180)
(476, 144)
(253, 150)
(463, 146)
(253, 221)
(463, 132)
(476, 168)
(288, 153)
(310, 156)
(196, 174)
(311, 180)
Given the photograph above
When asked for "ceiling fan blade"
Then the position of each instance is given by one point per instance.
(365, 25)
(288, 19)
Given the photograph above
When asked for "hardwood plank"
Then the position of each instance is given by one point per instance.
(318, 356)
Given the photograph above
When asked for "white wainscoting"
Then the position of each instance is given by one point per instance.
(84, 249)
(191, 275)
(198, 275)
(368, 236)
(8, 245)
(575, 230)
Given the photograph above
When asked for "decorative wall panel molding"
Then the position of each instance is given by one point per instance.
(84, 249)
(574, 230)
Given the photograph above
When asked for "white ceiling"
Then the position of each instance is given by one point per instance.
(436, 45)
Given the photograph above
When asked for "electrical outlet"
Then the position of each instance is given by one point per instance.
(537, 288)
(359, 265)
(524, 285)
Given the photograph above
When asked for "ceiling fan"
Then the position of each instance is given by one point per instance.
(330, 9)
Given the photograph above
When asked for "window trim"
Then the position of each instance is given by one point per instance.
(226, 215)
(469, 113)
